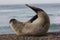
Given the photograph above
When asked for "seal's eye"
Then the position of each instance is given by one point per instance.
(12, 20)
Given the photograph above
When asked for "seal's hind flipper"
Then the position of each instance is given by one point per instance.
(35, 8)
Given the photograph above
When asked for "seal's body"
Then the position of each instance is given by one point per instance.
(37, 25)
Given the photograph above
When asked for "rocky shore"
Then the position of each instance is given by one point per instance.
(47, 36)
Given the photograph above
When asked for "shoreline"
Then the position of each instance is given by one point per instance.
(47, 36)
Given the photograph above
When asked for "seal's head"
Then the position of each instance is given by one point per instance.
(13, 21)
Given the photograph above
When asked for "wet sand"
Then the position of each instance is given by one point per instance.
(47, 36)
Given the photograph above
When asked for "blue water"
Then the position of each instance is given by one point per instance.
(23, 13)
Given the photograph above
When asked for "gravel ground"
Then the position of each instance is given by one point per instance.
(47, 36)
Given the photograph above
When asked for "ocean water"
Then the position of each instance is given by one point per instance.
(23, 13)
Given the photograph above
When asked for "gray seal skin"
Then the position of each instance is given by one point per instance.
(37, 25)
